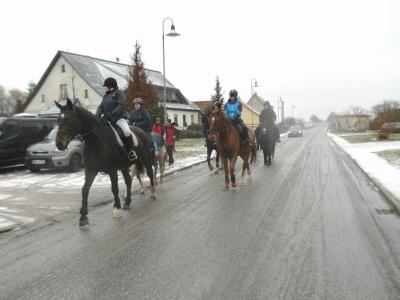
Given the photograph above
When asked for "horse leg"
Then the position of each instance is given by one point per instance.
(134, 173)
(232, 164)
(217, 165)
(155, 173)
(128, 182)
(209, 151)
(117, 213)
(225, 161)
(162, 160)
(90, 175)
(150, 174)
(244, 167)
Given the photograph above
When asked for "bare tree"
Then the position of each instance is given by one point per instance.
(357, 110)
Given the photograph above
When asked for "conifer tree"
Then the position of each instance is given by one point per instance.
(218, 95)
(140, 87)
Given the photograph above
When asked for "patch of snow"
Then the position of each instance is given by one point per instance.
(376, 167)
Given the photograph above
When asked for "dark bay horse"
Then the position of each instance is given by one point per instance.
(229, 143)
(210, 144)
(267, 142)
(102, 153)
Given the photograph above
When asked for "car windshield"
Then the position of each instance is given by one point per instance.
(295, 128)
(52, 135)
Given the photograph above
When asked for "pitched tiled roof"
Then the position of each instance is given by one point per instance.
(94, 71)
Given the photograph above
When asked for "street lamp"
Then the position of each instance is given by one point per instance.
(172, 33)
(251, 95)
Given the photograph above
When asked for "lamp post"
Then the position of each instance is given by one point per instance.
(172, 33)
(255, 84)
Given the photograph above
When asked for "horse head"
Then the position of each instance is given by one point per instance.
(68, 124)
(216, 121)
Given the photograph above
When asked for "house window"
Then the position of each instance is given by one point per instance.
(86, 94)
(63, 91)
(176, 120)
(43, 98)
(184, 121)
(62, 68)
(192, 119)
(173, 96)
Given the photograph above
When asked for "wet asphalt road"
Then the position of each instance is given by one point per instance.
(311, 226)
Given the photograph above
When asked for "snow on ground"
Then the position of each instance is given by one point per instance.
(387, 175)
(26, 197)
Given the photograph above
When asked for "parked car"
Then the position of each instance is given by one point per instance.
(16, 134)
(45, 155)
(295, 130)
(388, 128)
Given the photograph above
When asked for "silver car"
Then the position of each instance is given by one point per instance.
(45, 155)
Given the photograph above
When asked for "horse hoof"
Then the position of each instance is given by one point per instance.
(126, 206)
(210, 168)
(153, 197)
(216, 172)
(116, 213)
(83, 221)
(234, 184)
(226, 188)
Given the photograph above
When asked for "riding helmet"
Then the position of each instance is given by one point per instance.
(137, 100)
(110, 82)
(267, 103)
(233, 93)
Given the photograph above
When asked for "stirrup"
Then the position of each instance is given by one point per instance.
(132, 155)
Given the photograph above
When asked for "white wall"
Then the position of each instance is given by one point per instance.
(180, 113)
(51, 89)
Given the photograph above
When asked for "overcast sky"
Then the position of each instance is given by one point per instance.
(318, 55)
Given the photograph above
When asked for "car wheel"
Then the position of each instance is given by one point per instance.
(33, 169)
(74, 163)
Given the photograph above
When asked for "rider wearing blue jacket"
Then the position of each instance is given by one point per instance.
(233, 110)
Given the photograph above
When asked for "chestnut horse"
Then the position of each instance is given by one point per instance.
(229, 143)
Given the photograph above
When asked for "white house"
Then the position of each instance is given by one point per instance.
(72, 75)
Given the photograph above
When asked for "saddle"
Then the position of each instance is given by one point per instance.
(119, 135)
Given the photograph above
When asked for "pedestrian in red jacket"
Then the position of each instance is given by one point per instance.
(170, 134)
(157, 127)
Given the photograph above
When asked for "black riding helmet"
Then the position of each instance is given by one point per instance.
(233, 93)
(110, 82)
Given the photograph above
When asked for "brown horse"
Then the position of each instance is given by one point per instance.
(229, 144)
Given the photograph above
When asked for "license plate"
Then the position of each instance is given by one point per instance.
(38, 162)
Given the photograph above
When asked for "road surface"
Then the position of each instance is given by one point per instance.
(311, 226)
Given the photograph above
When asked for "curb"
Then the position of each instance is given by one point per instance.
(93, 204)
(392, 199)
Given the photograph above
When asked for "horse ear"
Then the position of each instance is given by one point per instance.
(70, 105)
(58, 105)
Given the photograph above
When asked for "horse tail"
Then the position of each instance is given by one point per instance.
(253, 157)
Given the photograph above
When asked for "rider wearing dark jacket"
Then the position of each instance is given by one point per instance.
(140, 117)
(233, 110)
(112, 109)
(268, 118)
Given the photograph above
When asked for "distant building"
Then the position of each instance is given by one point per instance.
(352, 123)
(256, 102)
(72, 75)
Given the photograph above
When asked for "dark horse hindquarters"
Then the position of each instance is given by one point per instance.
(266, 140)
(102, 153)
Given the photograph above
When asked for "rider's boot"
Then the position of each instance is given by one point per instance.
(131, 150)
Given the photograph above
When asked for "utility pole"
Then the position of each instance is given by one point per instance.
(293, 108)
(282, 109)
(277, 111)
